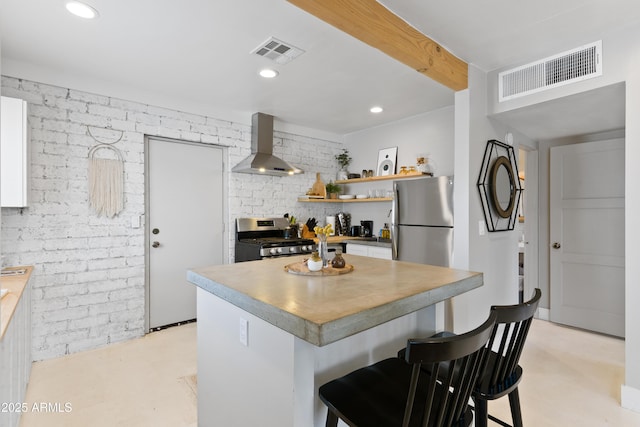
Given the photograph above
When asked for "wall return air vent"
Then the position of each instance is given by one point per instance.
(572, 66)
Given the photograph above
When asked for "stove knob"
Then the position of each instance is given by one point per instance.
(279, 250)
(292, 249)
(272, 251)
(305, 248)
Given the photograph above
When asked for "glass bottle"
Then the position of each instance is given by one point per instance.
(386, 233)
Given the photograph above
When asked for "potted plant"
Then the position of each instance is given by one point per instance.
(332, 190)
(344, 159)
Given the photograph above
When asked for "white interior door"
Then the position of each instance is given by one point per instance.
(587, 236)
(185, 224)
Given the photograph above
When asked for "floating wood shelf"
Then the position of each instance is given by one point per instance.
(369, 200)
(382, 178)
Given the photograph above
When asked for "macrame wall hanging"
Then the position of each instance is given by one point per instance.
(106, 177)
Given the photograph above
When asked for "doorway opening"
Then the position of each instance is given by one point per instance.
(527, 224)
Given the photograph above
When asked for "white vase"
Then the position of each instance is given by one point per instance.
(342, 175)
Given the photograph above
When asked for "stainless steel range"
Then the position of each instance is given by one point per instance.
(258, 238)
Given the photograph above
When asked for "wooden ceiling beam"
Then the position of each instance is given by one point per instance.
(377, 26)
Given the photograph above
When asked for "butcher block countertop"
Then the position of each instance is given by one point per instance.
(325, 309)
(15, 285)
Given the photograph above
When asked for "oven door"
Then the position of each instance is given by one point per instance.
(246, 252)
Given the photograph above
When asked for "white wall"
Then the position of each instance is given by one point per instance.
(494, 254)
(429, 133)
(88, 285)
(621, 62)
(1, 264)
(631, 388)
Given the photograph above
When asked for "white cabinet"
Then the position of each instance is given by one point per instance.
(14, 153)
(360, 250)
(379, 252)
(382, 252)
(15, 360)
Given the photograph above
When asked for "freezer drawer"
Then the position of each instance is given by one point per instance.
(424, 245)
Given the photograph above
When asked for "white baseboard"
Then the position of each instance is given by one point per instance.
(542, 314)
(630, 398)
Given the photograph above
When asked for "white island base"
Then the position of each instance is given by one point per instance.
(273, 381)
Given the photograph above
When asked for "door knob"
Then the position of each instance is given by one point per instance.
(155, 244)
(155, 231)
(556, 245)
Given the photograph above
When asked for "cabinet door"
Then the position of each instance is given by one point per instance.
(357, 249)
(13, 153)
(378, 252)
(370, 251)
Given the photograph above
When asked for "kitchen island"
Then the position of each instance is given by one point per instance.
(267, 339)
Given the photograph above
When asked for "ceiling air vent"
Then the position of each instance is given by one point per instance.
(572, 66)
(278, 51)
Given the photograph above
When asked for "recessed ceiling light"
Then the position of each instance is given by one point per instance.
(268, 73)
(82, 10)
(376, 110)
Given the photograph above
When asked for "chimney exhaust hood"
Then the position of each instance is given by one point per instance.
(262, 161)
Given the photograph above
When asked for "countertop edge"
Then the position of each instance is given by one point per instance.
(282, 319)
(344, 327)
(16, 286)
(323, 334)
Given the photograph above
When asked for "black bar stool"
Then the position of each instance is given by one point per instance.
(502, 373)
(396, 392)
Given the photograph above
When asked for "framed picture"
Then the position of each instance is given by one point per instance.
(387, 161)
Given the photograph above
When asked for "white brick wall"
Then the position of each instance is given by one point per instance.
(88, 286)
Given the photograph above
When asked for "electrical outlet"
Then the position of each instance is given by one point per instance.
(481, 228)
(244, 332)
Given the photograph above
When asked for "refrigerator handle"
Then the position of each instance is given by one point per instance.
(394, 223)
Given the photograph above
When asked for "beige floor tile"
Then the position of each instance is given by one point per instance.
(571, 378)
(144, 382)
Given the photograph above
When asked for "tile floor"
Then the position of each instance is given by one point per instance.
(572, 378)
(144, 382)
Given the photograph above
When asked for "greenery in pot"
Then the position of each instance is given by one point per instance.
(343, 159)
(332, 190)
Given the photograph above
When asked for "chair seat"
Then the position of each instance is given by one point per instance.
(484, 389)
(375, 396)
(488, 391)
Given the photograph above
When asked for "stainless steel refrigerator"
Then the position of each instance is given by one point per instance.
(422, 223)
(422, 226)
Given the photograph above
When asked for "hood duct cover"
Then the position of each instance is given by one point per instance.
(262, 161)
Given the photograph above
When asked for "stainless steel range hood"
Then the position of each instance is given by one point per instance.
(262, 161)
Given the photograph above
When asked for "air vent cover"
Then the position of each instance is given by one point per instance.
(572, 66)
(278, 51)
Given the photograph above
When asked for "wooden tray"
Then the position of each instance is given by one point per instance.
(301, 268)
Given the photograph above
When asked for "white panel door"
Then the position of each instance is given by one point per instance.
(185, 223)
(587, 236)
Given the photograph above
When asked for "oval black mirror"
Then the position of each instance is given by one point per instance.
(502, 187)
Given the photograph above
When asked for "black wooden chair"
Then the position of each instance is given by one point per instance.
(502, 373)
(396, 392)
